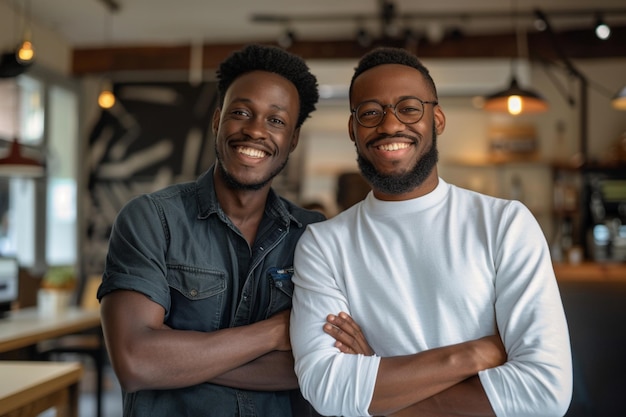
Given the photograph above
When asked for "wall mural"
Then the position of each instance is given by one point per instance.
(157, 134)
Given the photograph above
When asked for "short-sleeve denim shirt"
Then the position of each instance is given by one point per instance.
(180, 249)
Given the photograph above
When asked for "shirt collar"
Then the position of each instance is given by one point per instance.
(208, 204)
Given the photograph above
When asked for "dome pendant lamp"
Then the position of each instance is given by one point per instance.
(619, 100)
(515, 100)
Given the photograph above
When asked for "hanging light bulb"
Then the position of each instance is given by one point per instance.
(514, 104)
(106, 99)
(26, 51)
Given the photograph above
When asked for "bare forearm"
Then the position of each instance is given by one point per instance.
(408, 380)
(146, 354)
(467, 399)
(271, 372)
(163, 359)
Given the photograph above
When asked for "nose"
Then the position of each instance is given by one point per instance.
(390, 122)
(255, 128)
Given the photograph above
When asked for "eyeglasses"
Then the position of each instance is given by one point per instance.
(408, 110)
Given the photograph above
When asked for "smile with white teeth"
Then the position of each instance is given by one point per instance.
(251, 152)
(394, 146)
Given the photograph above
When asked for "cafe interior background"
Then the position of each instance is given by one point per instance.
(80, 162)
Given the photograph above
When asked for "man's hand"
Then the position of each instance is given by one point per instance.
(280, 323)
(347, 333)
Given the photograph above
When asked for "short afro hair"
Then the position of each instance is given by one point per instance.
(256, 57)
(388, 55)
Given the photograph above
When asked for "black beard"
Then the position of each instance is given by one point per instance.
(234, 184)
(400, 183)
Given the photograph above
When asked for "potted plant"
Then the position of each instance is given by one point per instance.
(56, 289)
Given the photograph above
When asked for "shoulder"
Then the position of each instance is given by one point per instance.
(302, 215)
(143, 204)
(488, 202)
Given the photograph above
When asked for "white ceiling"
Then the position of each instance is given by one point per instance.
(84, 23)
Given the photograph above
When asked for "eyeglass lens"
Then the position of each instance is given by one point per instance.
(408, 111)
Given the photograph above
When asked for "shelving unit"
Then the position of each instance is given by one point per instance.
(561, 196)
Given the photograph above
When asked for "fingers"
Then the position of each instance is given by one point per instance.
(347, 333)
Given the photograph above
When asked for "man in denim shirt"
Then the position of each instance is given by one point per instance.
(197, 286)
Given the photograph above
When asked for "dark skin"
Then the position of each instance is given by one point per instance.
(436, 382)
(255, 132)
(460, 399)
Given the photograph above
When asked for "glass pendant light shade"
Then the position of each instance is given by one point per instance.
(619, 100)
(515, 100)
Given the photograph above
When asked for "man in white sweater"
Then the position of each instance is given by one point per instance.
(437, 278)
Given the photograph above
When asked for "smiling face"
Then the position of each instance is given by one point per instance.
(397, 159)
(255, 129)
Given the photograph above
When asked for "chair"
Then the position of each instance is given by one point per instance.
(89, 343)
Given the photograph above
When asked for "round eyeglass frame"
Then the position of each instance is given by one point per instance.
(392, 106)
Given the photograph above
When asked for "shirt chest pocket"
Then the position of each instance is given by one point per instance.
(198, 298)
(281, 289)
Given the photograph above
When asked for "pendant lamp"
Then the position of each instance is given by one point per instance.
(14, 164)
(516, 100)
(619, 100)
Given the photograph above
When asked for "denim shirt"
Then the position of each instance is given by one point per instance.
(179, 248)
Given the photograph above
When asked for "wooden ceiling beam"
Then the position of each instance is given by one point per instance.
(575, 44)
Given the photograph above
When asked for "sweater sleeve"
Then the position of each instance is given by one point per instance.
(333, 382)
(537, 378)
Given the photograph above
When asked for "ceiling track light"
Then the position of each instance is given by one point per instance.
(286, 39)
(602, 30)
(363, 38)
(388, 17)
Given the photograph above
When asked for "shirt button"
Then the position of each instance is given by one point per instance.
(193, 293)
(279, 284)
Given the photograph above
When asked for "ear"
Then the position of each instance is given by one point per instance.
(440, 119)
(216, 120)
(351, 128)
(294, 140)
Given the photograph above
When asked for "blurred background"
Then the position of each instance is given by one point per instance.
(71, 156)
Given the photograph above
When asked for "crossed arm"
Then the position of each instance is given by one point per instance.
(437, 382)
(146, 354)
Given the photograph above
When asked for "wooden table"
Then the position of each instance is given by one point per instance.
(29, 388)
(27, 327)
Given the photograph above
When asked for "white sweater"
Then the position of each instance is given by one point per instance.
(433, 271)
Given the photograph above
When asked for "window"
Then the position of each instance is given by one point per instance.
(38, 216)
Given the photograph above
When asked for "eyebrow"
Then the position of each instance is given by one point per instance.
(249, 101)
